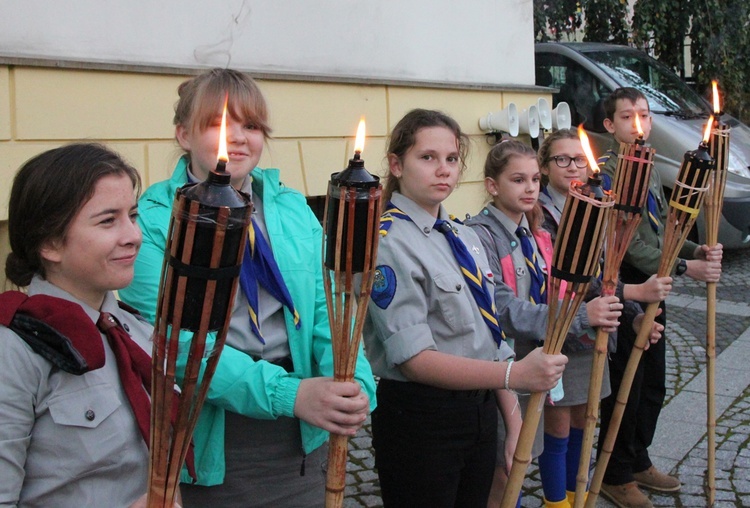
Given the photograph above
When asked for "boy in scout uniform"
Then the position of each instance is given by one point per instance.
(630, 465)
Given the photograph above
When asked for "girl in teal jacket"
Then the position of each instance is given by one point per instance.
(272, 402)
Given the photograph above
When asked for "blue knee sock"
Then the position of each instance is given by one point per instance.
(552, 467)
(573, 457)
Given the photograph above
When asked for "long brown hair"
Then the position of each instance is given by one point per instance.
(404, 135)
(497, 161)
(47, 193)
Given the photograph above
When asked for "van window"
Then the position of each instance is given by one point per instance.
(665, 92)
(578, 87)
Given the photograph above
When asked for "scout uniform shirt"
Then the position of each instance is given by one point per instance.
(420, 300)
(67, 440)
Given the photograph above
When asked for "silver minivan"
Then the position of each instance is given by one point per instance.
(585, 73)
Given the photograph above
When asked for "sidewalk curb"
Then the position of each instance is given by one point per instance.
(682, 423)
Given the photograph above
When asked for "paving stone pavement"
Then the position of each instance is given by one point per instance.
(680, 445)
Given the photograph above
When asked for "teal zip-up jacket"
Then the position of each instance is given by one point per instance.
(240, 384)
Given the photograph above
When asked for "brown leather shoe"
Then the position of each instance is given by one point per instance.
(627, 495)
(654, 479)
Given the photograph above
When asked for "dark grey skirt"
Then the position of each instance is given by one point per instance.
(264, 461)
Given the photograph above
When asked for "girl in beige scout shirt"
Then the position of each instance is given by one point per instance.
(433, 338)
(73, 427)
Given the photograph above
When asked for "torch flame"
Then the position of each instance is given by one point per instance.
(715, 87)
(707, 131)
(359, 141)
(587, 149)
(223, 154)
(638, 126)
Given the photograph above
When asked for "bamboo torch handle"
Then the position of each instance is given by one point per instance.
(620, 402)
(711, 388)
(592, 414)
(522, 455)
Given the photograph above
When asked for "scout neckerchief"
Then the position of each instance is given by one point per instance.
(471, 272)
(259, 267)
(60, 331)
(538, 289)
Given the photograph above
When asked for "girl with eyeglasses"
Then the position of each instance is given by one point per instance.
(562, 161)
(519, 251)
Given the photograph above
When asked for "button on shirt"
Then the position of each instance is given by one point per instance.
(431, 309)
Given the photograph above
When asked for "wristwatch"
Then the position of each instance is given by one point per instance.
(681, 267)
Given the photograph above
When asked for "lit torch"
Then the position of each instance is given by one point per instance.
(223, 155)
(202, 260)
(576, 257)
(352, 219)
(630, 189)
(687, 198)
(718, 147)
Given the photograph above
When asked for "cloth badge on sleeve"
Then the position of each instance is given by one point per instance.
(383, 286)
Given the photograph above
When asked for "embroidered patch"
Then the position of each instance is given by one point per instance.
(383, 286)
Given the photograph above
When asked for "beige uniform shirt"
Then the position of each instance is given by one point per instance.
(66, 440)
(420, 300)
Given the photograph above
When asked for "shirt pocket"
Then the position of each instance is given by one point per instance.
(454, 302)
(91, 422)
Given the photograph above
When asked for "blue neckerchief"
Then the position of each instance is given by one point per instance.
(538, 289)
(259, 267)
(471, 272)
(653, 211)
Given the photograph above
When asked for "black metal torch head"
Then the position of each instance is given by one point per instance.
(210, 220)
(593, 186)
(356, 182)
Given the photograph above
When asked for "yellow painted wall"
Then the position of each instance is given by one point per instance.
(313, 124)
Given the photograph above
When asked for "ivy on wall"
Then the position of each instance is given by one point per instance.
(720, 47)
(556, 19)
(718, 33)
(606, 21)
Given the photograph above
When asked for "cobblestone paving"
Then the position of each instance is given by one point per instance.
(732, 463)
(685, 360)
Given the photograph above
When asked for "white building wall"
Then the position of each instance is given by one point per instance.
(443, 41)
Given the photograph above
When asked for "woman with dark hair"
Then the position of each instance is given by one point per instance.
(74, 366)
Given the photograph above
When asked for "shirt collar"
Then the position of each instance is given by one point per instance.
(557, 199)
(418, 215)
(39, 285)
(506, 222)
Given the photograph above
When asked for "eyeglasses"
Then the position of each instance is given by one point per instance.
(564, 161)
